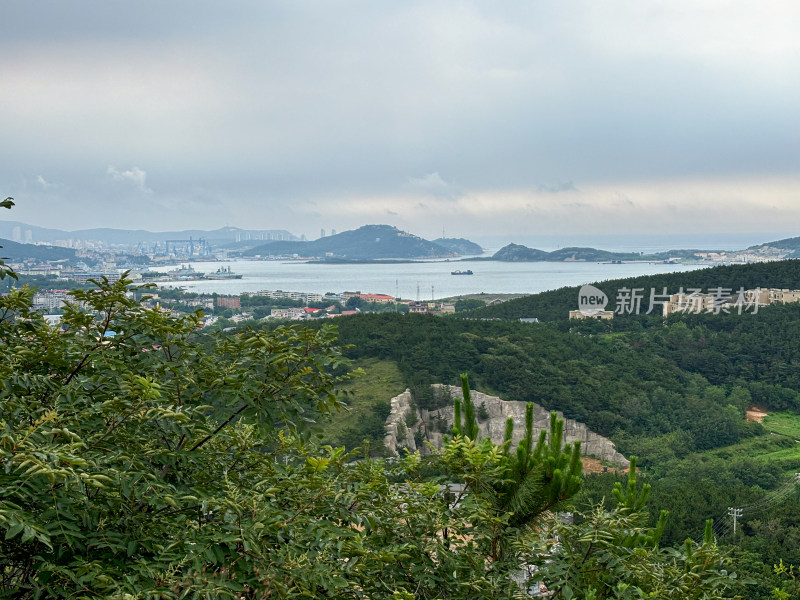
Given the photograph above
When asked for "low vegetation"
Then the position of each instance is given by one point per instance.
(784, 423)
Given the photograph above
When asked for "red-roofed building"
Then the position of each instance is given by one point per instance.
(378, 298)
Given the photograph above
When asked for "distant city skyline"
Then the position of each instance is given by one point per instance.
(501, 120)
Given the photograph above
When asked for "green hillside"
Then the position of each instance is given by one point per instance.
(367, 405)
(792, 244)
(672, 393)
(14, 251)
(556, 304)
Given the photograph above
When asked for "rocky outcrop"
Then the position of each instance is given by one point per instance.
(398, 434)
(407, 425)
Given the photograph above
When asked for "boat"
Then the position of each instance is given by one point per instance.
(467, 272)
(184, 272)
(223, 273)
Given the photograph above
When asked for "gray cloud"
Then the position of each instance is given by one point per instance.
(134, 175)
(46, 185)
(433, 184)
(249, 109)
(556, 188)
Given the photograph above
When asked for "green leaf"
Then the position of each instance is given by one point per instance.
(14, 530)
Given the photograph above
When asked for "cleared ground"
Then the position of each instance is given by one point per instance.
(381, 382)
(784, 423)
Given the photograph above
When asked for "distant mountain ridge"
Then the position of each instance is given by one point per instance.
(792, 245)
(223, 235)
(357, 245)
(367, 242)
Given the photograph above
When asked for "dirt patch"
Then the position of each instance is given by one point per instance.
(755, 414)
(593, 465)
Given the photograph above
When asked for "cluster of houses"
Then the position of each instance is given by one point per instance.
(331, 312)
(51, 301)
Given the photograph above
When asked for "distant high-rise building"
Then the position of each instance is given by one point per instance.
(333, 232)
(322, 233)
(303, 237)
(28, 236)
(16, 234)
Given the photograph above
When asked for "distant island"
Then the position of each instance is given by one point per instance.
(370, 242)
(782, 249)
(519, 253)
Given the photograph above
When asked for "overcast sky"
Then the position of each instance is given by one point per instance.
(484, 118)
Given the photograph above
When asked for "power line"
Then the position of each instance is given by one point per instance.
(722, 526)
(735, 513)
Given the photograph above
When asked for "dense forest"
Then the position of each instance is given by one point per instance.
(684, 374)
(143, 456)
(672, 391)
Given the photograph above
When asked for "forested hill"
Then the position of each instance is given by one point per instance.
(556, 304)
(792, 244)
(459, 246)
(673, 392)
(367, 242)
(519, 253)
(651, 381)
(14, 251)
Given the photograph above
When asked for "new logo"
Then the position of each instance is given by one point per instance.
(591, 301)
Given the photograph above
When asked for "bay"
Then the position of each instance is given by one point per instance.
(418, 280)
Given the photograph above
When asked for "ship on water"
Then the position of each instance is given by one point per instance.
(184, 272)
(223, 273)
(467, 272)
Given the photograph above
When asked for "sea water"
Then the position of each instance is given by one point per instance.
(418, 280)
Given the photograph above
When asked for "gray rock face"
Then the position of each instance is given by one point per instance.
(398, 434)
(427, 424)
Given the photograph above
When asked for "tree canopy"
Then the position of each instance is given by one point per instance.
(141, 458)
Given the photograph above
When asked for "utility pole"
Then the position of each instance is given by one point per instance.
(735, 513)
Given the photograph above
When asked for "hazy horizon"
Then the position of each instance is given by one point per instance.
(485, 119)
(625, 242)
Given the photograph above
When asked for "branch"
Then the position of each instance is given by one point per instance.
(218, 429)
